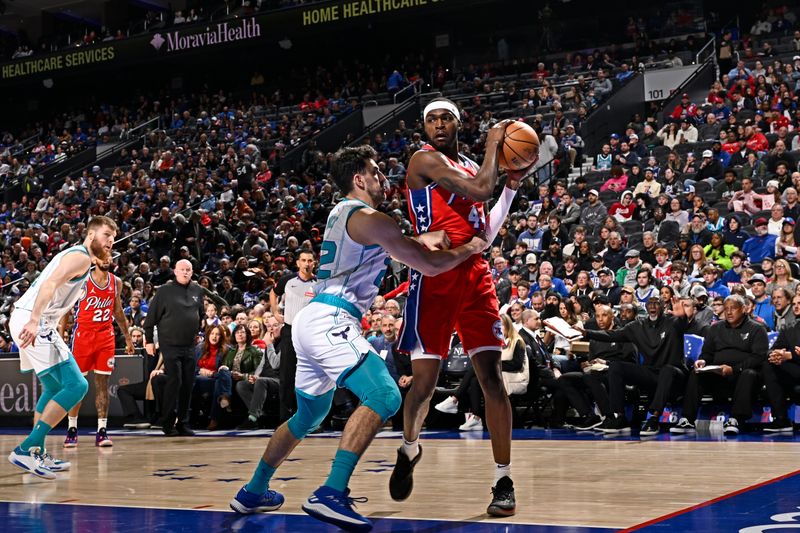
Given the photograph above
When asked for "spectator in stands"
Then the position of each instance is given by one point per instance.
(687, 133)
(669, 134)
(660, 340)
(780, 373)
(745, 199)
(602, 86)
(709, 130)
(593, 212)
(784, 314)
(604, 159)
(240, 362)
(684, 109)
(762, 244)
(624, 209)
(568, 211)
(263, 382)
(738, 346)
(763, 309)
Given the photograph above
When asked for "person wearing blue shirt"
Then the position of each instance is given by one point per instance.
(761, 245)
(764, 308)
(714, 286)
(734, 274)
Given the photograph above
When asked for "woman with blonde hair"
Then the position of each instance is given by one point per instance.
(782, 277)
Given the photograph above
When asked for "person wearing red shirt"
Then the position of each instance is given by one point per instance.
(686, 108)
(756, 140)
(623, 210)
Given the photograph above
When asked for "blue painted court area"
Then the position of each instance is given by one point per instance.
(770, 506)
(65, 518)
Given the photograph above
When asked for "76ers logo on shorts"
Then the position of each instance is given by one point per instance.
(110, 362)
(497, 329)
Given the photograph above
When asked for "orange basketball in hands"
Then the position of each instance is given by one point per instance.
(520, 148)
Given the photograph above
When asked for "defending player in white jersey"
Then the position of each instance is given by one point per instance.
(33, 327)
(331, 350)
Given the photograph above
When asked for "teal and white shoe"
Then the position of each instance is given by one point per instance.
(31, 461)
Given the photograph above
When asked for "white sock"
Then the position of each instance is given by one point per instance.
(73, 421)
(101, 423)
(411, 449)
(501, 471)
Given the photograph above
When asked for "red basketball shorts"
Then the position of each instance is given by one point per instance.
(94, 350)
(462, 299)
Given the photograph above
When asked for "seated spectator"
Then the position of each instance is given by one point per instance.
(624, 209)
(239, 364)
(257, 331)
(256, 388)
(763, 308)
(676, 212)
(604, 159)
(574, 386)
(781, 373)
(762, 244)
(516, 375)
(782, 277)
(593, 212)
(784, 314)
(738, 346)
(617, 182)
(660, 341)
(669, 134)
(208, 356)
(720, 253)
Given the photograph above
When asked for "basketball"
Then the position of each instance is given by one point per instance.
(520, 147)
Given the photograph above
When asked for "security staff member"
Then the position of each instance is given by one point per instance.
(177, 310)
(294, 290)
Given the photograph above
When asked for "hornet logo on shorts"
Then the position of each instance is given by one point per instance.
(342, 334)
(48, 337)
(497, 329)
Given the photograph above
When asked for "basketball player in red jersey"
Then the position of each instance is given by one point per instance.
(93, 343)
(447, 191)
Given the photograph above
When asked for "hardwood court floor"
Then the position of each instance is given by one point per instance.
(601, 483)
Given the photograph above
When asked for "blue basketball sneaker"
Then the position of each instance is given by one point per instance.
(334, 507)
(31, 461)
(249, 503)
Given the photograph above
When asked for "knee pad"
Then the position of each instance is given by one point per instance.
(311, 411)
(73, 385)
(371, 382)
(50, 387)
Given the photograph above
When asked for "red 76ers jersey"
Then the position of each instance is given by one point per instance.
(96, 307)
(435, 208)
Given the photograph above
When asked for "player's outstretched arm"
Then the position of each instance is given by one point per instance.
(71, 266)
(433, 166)
(370, 227)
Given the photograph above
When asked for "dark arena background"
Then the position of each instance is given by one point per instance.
(647, 267)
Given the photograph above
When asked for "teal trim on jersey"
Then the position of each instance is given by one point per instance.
(26, 371)
(341, 303)
(326, 258)
(48, 370)
(79, 248)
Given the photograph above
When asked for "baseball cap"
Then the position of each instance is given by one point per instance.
(685, 95)
(593, 191)
(758, 278)
(774, 183)
(708, 153)
(697, 291)
(688, 189)
(597, 258)
(531, 259)
(633, 136)
(760, 221)
(615, 136)
(632, 253)
(184, 248)
(788, 220)
(796, 58)
(627, 288)
(605, 271)
(555, 240)
(701, 216)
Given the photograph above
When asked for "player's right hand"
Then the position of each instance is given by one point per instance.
(497, 132)
(435, 240)
(28, 334)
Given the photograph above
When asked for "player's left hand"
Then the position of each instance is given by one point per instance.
(516, 176)
(129, 349)
(28, 334)
(435, 240)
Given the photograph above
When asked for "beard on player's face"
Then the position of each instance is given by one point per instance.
(104, 266)
(98, 250)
